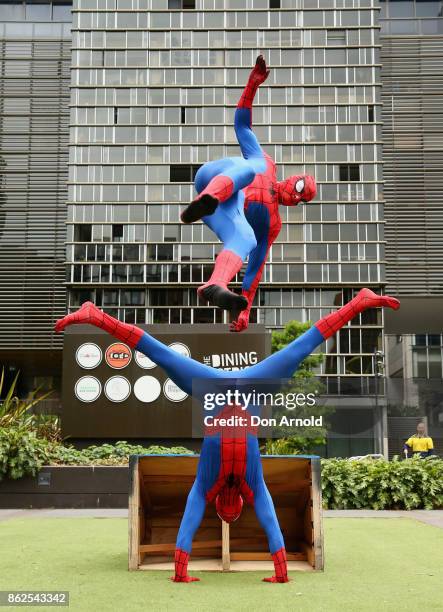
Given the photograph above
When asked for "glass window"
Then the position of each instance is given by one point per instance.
(401, 8)
(419, 363)
(425, 8)
(38, 11)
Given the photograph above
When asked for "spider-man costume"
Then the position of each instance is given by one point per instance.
(229, 470)
(239, 199)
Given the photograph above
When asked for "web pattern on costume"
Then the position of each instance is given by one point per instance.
(258, 75)
(233, 461)
(280, 566)
(220, 187)
(331, 323)
(89, 313)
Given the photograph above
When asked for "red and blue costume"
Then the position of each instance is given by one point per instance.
(239, 198)
(229, 470)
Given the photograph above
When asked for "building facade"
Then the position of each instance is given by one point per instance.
(35, 42)
(412, 95)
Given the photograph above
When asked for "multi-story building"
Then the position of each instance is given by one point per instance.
(35, 43)
(412, 95)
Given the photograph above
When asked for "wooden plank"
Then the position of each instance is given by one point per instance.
(162, 464)
(215, 565)
(309, 553)
(147, 548)
(133, 514)
(262, 556)
(197, 544)
(317, 516)
(226, 559)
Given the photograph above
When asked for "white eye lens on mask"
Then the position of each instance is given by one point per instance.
(299, 185)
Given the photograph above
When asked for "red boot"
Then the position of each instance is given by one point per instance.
(216, 291)
(365, 298)
(181, 567)
(219, 189)
(258, 75)
(90, 314)
(280, 565)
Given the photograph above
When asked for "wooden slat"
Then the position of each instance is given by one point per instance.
(226, 559)
(133, 514)
(262, 556)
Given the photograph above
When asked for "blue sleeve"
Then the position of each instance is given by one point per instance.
(249, 145)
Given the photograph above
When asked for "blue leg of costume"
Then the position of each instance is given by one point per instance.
(207, 472)
(219, 184)
(182, 370)
(228, 222)
(263, 504)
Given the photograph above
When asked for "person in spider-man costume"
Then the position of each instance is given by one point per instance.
(238, 198)
(229, 470)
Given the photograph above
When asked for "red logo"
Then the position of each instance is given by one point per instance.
(118, 355)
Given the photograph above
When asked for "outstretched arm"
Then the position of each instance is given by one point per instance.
(249, 145)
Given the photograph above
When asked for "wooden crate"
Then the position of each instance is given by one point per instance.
(159, 485)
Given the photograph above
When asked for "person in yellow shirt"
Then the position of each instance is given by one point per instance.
(419, 444)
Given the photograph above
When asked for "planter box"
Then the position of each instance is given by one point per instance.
(158, 491)
(68, 487)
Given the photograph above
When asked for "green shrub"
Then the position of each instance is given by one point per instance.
(16, 412)
(22, 453)
(109, 454)
(382, 485)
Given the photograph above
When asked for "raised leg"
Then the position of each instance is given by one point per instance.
(284, 363)
(231, 227)
(236, 174)
(182, 370)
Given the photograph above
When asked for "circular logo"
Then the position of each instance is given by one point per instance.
(143, 361)
(117, 388)
(181, 348)
(87, 389)
(173, 392)
(147, 389)
(88, 355)
(118, 355)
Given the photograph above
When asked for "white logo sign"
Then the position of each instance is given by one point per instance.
(147, 389)
(231, 361)
(181, 348)
(173, 392)
(117, 389)
(143, 361)
(87, 389)
(88, 355)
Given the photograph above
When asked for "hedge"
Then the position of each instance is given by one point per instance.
(378, 485)
(383, 485)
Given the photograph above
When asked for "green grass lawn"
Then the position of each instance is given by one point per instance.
(371, 564)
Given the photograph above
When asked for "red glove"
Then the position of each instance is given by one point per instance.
(258, 75)
(241, 322)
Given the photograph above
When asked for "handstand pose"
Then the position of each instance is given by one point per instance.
(229, 470)
(239, 199)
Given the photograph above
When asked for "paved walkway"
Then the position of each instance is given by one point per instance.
(430, 517)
